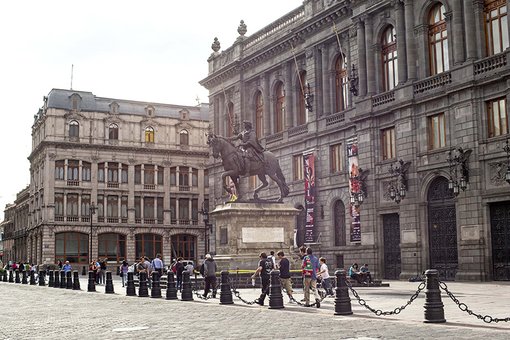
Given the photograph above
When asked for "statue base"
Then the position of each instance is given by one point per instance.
(244, 230)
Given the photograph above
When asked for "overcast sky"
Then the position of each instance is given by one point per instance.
(139, 50)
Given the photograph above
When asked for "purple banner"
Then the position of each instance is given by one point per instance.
(309, 169)
(354, 187)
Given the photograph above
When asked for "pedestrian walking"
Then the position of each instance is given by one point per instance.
(310, 268)
(123, 270)
(157, 264)
(264, 270)
(284, 266)
(323, 274)
(210, 269)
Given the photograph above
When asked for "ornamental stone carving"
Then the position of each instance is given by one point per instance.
(216, 45)
(242, 29)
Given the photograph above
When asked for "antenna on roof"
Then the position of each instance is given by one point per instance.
(197, 100)
(72, 68)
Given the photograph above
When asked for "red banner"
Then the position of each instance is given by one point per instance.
(354, 186)
(309, 169)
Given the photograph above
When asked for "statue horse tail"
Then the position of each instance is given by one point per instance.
(279, 174)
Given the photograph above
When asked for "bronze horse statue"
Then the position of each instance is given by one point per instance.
(232, 159)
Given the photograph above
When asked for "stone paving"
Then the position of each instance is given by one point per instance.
(33, 312)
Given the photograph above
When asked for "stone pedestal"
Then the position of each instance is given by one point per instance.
(244, 230)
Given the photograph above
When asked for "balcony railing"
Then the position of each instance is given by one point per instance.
(59, 218)
(383, 98)
(72, 219)
(335, 118)
(298, 130)
(100, 219)
(491, 63)
(85, 219)
(184, 188)
(112, 184)
(112, 220)
(73, 183)
(149, 186)
(275, 137)
(433, 83)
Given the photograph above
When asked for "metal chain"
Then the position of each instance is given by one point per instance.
(379, 312)
(463, 307)
(238, 295)
(322, 297)
(197, 293)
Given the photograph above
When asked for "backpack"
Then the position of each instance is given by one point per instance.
(174, 268)
(202, 270)
(307, 266)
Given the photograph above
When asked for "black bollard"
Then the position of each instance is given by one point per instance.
(275, 291)
(63, 282)
(17, 279)
(51, 282)
(118, 271)
(342, 299)
(32, 278)
(225, 291)
(42, 278)
(56, 283)
(69, 280)
(156, 286)
(4, 276)
(108, 289)
(76, 280)
(83, 271)
(143, 290)
(434, 311)
(24, 278)
(11, 276)
(171, 290)
(186, 293)
(91, 287)
(130, 289)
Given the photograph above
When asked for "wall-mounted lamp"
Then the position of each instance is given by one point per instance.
(353, 81)
(308, 98)
(459, 171)
(358, 187)
(398, 185)
(506, 148)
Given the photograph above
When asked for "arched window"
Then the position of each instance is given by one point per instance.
(341, 84)
(74, 129)
(339, 223)
(496, 26)
(279, 107)
(389, 58)
(113, 131)
(301, 107)
(112, 246)
(438, 40)
(72, 247)
(148, 245)
(184, 246)
(184, 137)
(230, 119)
(149, 134)
(259, 114)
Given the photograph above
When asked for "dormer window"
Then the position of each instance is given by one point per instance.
(114, 108)
(150, 110)
(149, 134)
(184, 137)
(74, 129)
(75, 102)
(184, 114)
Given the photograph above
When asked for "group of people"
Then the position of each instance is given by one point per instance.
(99, 268)
(361, 275)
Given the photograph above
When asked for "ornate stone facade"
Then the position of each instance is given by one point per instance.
(451, 89)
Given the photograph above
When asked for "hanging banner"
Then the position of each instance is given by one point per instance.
(354, 187)
(309, 170)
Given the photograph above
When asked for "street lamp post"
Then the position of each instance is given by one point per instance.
(92, 211)
(207, 225)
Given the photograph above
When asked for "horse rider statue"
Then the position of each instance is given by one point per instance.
(252, 150)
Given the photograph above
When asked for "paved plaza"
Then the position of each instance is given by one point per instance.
(33, 312)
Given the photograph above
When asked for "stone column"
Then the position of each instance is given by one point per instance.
(479, 23)
(289, 113)
(362, 58)
(451, 46)
(401, 43)
(369, 45)
(325, 78)
(410, 37)
(458, 33)
(267, 104)
(469, 20)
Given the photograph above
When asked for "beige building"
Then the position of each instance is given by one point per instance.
(115, 179)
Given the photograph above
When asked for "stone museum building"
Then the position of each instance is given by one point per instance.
(398, 110)
(111, 178)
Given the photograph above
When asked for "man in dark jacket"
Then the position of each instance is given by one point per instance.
(264, 270)
(179, 268)
(210, 269)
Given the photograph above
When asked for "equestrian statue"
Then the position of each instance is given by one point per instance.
(248, 159)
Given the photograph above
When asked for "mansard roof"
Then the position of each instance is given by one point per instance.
(61, 99)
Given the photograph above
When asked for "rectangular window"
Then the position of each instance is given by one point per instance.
(497, 118)
(160, 209)
(297, 167)
(388, 143)
(113, 172)
(335, 158)
(194, 209)
(124, 173)
(437, 133)
(100, 172)
(138, 174)
(173, 209)
(112, 206)
(124, 207)
(138, 207)
(194, 177)
(59, 204)
(100, 206)
(148, 174)
(223, 236)
(148, 207)
(72, 205)
(59, 170)
(496, 26)
(85, 171)
(161, 175)
(173, 176)
(72, 170)
(206, 178)
(184, 176)
(85, 205)
(184, 209)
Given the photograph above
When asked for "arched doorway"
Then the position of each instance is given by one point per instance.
(184, 246)
(500, 237)
(391, 239)
(442, 226)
